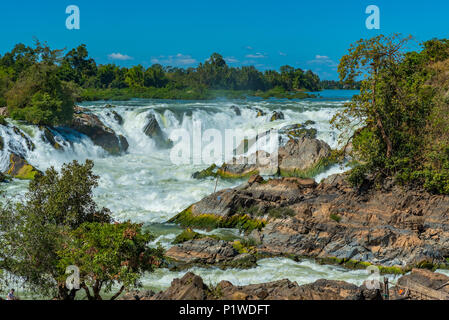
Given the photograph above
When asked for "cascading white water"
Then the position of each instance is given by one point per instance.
(143, 185)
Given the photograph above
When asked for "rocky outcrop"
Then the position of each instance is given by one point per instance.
(118, 118)
(300, 157)
(303, 157)
(393, 227)
(192, 287)
(49, 137)
(19, 168)
(277, 115)
(236, 110)
(101, 135)
(154, 131)
(208, 251)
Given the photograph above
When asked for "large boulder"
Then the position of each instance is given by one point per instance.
(19, 168)
(154, 131)
(101, 135)
(304, 157)
(189, 287)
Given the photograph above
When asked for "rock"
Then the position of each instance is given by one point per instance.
(192, 287)
(29, 143)
(49, 137)
(303, 157)
(255, 179)
(154, 131)
(4, 112)
(202, 251)
(118, 118)
(277, 116)
(335, 223)
(101, 135)
(2, 177)
(297, 131)
(19, 168)
(236, 110)
(189, 287)
(421, 284)
(260, 112)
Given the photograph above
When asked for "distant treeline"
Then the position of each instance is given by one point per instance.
(332, 85)
(40, 85)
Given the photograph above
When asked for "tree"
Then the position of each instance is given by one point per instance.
(398, 123)
(35, 234)
(107, 254)
(378, 54)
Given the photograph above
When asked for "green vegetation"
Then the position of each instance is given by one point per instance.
(211, 221)
(40, 85)
(400, 118)
(57, 225)
(335, 217)
(186, 235)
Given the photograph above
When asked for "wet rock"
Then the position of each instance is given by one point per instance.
(19, 168)
(49, 137)
(29, 143)
(154, 131)
(236, 110)
(101, 135)
(118, 118)
(277, 116)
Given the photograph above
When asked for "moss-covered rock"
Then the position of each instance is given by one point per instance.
(211, 221)
(186, 235)
(19, 168)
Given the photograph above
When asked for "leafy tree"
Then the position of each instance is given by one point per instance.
(398, 117)
(109, 254)
(36, 235)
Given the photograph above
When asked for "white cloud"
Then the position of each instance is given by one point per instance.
(249, 48)
(175, 60)
(119, 56)
(323, 60)
(231, 60)
(282, 54)
(258, 55)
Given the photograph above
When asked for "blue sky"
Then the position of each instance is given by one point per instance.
(268, 34)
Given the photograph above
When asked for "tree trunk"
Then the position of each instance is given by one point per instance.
(379, 123)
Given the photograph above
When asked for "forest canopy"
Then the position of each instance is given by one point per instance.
(40, 85)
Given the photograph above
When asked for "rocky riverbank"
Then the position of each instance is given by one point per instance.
(417, 285)
(393, 227)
